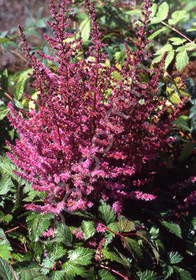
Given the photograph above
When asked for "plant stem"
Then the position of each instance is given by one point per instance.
(120, 234)
(175, 30)
(114, 271)
(11, 229)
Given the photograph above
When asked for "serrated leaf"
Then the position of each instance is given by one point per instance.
(113, 257)
(5, 183)
(148, 275)
(124, 225)
(169, 58)
(177, 41)
(175, 257)
(181, 60)
(146, 236)
(56, 252)
(176, 17)
(133, 246)
(88, 228)
(47, 265)
(7, 166)
(6, 271)
(106, 213)
(105, 275)
(154, 232)
(37, 224)
(163, 11)
(5, 250)
(173, 228)
(71, 268)
(110, 235)
(81, 256)
(2, 234)
(57, 275)
(64, 235)
(31, 274)
(186, 151)
(182, 273)
(190, 46)
(167, 270)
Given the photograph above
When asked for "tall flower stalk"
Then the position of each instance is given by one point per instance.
(92, 132)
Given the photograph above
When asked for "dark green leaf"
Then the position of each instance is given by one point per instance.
(124, 225)
(47, 265)
(105, 275)
(183, 123)
(57, 275)
(81, 256)
(6, 271)
(88, 228)
(106, 213)
(113, 257)
(3, 111)
(64, 235)
(5, 250)
(182, 273)
(37, 224)
(5, 183)
(175, 257)
(167, 271)
(133, 246)
(71, 268)
(186, 151)
(148, 275)
(154, 232)
(173, 228)
(56, 252)
(32, 274)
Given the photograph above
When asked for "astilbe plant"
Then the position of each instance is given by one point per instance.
(95, 125)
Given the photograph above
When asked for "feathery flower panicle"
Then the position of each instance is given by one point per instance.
(80, 146)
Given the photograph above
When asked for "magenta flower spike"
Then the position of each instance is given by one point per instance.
(92, 134)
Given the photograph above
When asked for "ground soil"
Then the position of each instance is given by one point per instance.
(12, 13)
